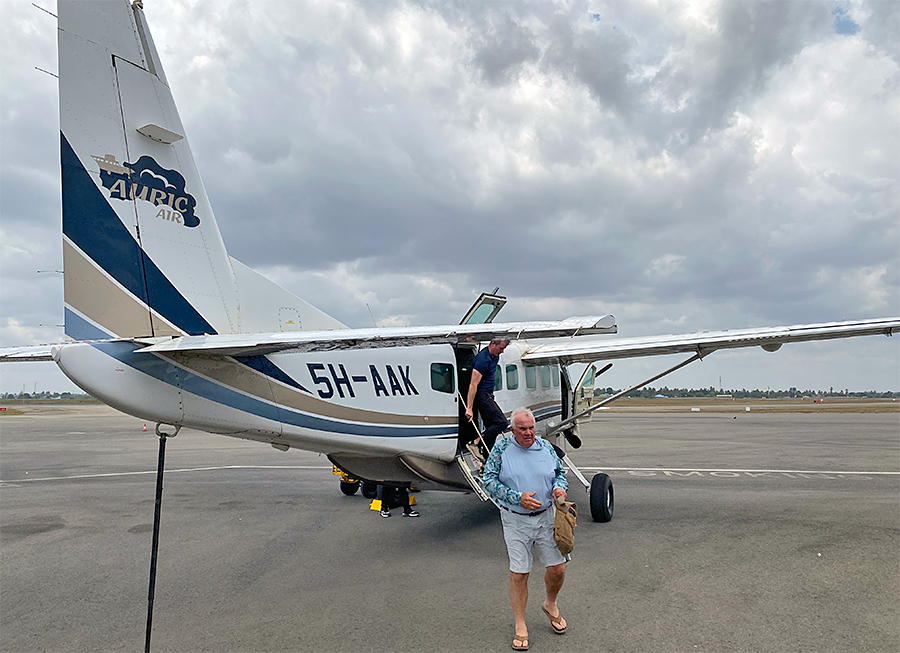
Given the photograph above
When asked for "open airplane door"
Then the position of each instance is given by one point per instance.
(584, 392)
(602, 497)
(485, 309)
(576, 398)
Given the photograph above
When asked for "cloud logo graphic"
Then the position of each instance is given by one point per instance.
(147, 181)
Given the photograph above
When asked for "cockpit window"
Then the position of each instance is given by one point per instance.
(442, 377)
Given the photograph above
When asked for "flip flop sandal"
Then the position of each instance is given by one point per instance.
(520, 638)
(554, 621)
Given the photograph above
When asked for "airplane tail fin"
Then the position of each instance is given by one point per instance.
(142, 252)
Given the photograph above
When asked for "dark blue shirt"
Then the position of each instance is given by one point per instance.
(487, 365)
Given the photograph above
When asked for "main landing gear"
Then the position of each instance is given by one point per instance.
(349, 485)
(600, 488)
(602, 498)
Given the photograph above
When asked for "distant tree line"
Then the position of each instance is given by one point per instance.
(792, 393)
(644, 393)
(46, 395)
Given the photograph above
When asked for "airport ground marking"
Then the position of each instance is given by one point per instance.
(737, 471)
(168, 471)
(641, 471)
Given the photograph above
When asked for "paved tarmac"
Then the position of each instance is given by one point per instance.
(748, 532)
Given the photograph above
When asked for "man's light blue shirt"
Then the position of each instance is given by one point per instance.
(511, 470)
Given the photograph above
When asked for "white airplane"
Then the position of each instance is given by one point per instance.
(167, 327)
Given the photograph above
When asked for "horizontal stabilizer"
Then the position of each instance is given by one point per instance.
(34, 353)
(306, 341)
(705, 342)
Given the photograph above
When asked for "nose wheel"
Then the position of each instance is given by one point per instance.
(349, 487)
(602, 498)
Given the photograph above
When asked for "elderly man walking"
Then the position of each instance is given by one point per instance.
(523, 476)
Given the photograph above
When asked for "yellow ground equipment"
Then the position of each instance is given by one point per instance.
(349, 485)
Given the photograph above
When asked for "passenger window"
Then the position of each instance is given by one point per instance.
(498, 379)
(530, 379)
(442, 377)
(545, 376)
(555, 372)
(512, 377)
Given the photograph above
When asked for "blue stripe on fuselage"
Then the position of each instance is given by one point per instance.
(265, 366)
(545, 413)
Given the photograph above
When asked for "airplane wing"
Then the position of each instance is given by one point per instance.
(306, 341)
(705, 342)
(33, 353)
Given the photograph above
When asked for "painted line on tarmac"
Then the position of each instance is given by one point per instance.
(680, 472)
(735, 471)
(168, 471)
(637, 471)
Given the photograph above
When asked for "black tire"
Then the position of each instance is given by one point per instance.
(349, 488)
(602, 498)
(369, 490)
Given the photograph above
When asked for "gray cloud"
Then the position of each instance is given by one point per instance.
(504, 47)
(684, 167)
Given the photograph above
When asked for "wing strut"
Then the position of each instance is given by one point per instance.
(568, 463)
(571, 420)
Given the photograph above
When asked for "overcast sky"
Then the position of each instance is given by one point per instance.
(685, 166)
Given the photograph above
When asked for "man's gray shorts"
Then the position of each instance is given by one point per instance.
(523, 532)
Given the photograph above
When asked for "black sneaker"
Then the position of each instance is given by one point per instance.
(385, 513)
(411, 513)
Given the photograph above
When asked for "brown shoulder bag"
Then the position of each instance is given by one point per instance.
(564, 526)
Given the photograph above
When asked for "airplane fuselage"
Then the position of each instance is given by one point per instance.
(383, 401)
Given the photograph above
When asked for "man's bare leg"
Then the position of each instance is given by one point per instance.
(518, 599)
(553, 579)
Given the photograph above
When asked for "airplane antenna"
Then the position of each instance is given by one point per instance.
(496, 290)
(45, 11)
(372, 316)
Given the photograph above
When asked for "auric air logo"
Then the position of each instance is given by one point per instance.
(147, 181)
